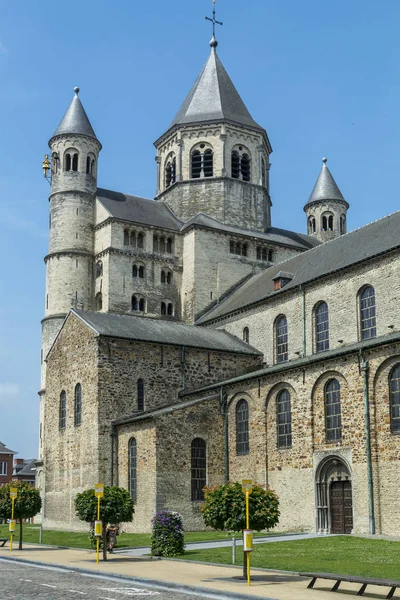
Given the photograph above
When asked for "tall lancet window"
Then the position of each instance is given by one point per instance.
(202, 162)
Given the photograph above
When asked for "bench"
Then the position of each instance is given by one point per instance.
(3, 542)
(363, 581)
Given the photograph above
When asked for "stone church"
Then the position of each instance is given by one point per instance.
(187, 341)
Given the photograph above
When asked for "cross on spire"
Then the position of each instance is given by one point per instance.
(213, 42)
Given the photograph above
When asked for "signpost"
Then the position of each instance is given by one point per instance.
(13, 495)
(98, 526)
(247, 488)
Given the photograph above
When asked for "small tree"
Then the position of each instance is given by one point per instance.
(224, 508)
(27, 504)
(116, 506)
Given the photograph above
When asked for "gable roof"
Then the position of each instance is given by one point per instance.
(75, 120)
(371, 240)
(28, 469)
(5, 450)
(213, 97)
(271, 234)
(138, 210)
(159, 331)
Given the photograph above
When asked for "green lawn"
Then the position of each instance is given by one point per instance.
(343, 554)
(81, 540)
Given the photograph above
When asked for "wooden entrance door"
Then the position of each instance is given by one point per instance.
(341, 507)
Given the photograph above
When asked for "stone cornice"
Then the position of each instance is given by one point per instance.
(51, 317)
(140, 254)
(136, 224)
(68, 252)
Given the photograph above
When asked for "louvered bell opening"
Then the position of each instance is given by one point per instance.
(196, 164)
(235, 167)
(208, 163)
(245, 167)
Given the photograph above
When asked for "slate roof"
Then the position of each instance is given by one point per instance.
(147, 329)
(75, 120)
(5, 450)
(371, 240)
(272, 234)
(139, 210)
(29, 469)
(325, 187)
(213, 97)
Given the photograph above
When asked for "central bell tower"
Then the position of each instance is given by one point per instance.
(214, 158)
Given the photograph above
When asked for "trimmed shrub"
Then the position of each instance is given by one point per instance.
(167, 538)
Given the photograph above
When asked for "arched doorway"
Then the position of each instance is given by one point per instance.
(334, 496)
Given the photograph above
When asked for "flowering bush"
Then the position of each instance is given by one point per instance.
(167, 538)
(224, 508)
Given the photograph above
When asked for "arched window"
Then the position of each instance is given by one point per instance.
(245, 167)
(342, 224)
(88, 161)
(99, 301)
(263, 173)
(238, 248)
(333, 416)
(170, 171)
(140, 240)
(126, 237)
(78, 404)
(198, 469)
(155, 243)
(134, 303)
(166, 276)
(138, 271)
(196, 164)
(63, 410)
(161, 244)
(327, 222)
(169, 246)
(169, 277)
(163, 308)
(67, 163)
(132, 239)
(141, 272)
(142, 305)
(99, 269)
(140, 394)
(367, 313)
(281, 339)
(284, 419)
(235, 164)
(311, 225)
(246, 335)
(264, 254)
(132, 469)
(170, 309)
(394, 392)
(270, 255)
(134, 271)
(232, 247)
(208, 163)
(321, 327)
(75, 162)
(242, 427)
(244, 250)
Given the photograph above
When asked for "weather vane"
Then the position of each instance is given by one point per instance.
(213, 42)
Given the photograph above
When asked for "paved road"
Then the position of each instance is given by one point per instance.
(25, 582)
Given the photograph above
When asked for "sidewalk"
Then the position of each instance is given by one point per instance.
(218, 579)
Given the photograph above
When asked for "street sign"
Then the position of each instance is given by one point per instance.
(13, 493)
(99, 490)
(247, 540)
(247, 486)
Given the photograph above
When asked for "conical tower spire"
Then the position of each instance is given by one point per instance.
(326, 207)
(75, 120)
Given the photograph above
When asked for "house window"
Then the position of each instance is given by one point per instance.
(138, 304)
(167, 308)
(239, 248)
(3, 468)
(99, 269)
(170, 171)
(166, 276)
(284, 420)
(240, 164)
(246, 335)
(263, 253)
(367, 313)
(78, 404)
(198, 469)
(242, 427)
(140, 394)
(132, 469)
(63, 410)
(138, 271)
(281, 339)
(202, 163)
(321, 327)
(333, 418)
(99, 301)
(394, 391)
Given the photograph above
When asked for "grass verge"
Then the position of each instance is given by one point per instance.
(347, 555)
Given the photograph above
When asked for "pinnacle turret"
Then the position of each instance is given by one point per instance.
(75, 120)
(325, 187)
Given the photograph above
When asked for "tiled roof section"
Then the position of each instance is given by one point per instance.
(138, 210)
(272, 234)
(213, 97)
(146, 329)
(5, 450)
(325, 187)
(371, 240)
(29, 469)
(75, 120)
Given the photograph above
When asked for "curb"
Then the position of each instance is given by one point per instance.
(149, 582)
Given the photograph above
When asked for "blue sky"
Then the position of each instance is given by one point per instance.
(322, 77)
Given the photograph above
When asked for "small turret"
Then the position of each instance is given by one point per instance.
(326, 208)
